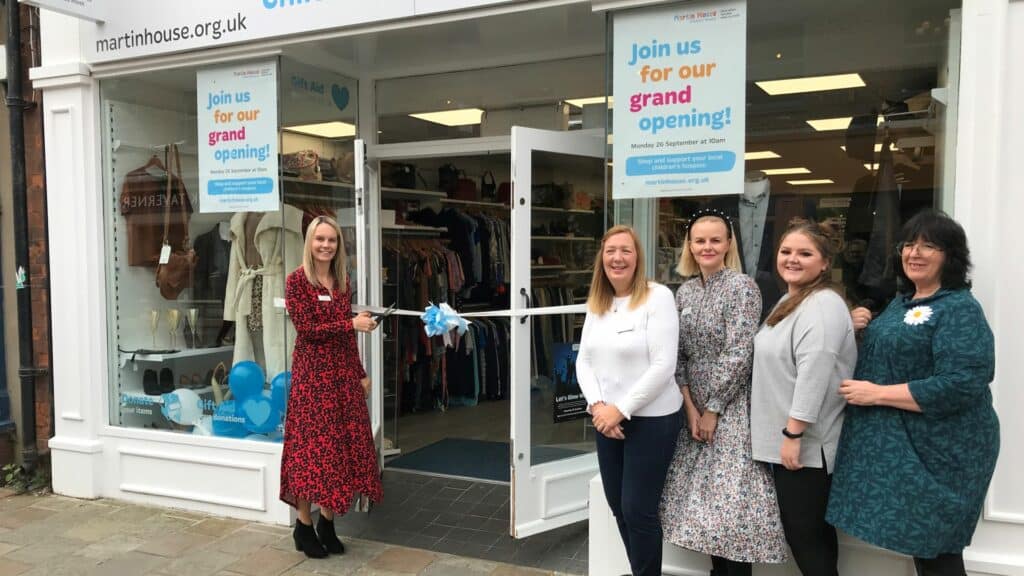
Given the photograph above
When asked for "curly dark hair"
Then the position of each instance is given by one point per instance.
(938, 228)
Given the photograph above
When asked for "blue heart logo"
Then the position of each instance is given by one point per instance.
(257, 410)
(340, 96)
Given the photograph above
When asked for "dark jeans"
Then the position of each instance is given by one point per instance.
(803, 498)
(941, 565)
(633, 473)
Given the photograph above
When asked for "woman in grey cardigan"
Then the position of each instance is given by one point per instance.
(803, 351)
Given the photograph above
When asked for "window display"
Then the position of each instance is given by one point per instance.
(203, 337)
(865, 156)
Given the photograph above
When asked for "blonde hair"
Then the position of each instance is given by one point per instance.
(688, 266)
(339, 266)
(599, 300)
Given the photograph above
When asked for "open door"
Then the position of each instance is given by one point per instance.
(557, 221)
(367, 253)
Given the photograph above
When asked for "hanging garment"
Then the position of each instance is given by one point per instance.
(279, 240)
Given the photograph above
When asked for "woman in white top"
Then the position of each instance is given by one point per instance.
(804, 350)
(625, 367)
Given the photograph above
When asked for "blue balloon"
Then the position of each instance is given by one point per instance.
(279, 388)
(227, 422)
(246, 379)
(260, 416)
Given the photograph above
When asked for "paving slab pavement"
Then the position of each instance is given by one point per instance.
(49, 535)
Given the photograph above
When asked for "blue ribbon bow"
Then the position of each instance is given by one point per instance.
(441, 319)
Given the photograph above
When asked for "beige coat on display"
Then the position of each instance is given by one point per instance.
(279, 240)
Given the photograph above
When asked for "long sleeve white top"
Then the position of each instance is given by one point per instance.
(628, 357)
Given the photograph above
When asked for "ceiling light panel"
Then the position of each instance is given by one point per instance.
(811, 84)
(461, 117)
(785, 171)
(325, 129)
(581, 102)
(761, 155)
(826, 124)
(809, 182)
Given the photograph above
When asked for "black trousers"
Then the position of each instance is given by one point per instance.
(725, 567)
(803, 498)
(633, 473)
(941, 565)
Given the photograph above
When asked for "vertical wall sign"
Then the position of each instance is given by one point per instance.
(238, 140)
(680, 97)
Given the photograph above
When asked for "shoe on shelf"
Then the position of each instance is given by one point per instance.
(166, 380)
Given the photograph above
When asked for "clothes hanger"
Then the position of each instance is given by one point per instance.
(155, 167)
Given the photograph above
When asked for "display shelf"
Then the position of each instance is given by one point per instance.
(588, 271)
(561, 210)
(329, 183)
(156, 398)
(411, 192)
(413, 228)
(548, 267)
(187, 353)
(474, 203)
(566, 238)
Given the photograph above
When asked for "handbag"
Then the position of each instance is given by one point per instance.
(465, 189)
(504, 193)
(175, 274)
(488, 187)
(304, 164)
(447, 178)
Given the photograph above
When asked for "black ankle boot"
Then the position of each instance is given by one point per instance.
(305, 540)
(328, 539)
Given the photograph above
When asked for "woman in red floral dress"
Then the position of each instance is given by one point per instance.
(329, 453)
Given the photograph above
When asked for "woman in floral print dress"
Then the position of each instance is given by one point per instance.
(328, 452)
(717, 500)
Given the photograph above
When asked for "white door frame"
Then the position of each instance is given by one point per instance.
(553, 494)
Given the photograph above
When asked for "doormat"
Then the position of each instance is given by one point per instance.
(471, 459)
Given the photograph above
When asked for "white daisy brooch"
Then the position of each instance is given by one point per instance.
(917, 315)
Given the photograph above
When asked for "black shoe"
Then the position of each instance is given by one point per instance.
(166, 380)
(328, 539)
(305, 540)
(150, 384)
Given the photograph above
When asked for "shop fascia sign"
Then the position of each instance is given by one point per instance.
(138, 28)
(92, 10)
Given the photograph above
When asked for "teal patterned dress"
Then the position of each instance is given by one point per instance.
(915, 482)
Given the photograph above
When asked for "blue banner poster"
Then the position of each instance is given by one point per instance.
(569, 402)
(679, 90)
(238, 140)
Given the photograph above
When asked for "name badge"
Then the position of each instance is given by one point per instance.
(324, 297)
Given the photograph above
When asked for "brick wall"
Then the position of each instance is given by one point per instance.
(35, 176)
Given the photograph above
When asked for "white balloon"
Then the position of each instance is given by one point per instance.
(183, 406)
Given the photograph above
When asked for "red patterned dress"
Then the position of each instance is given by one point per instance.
(328, 446)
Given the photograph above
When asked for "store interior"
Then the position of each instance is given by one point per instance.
(434, 103)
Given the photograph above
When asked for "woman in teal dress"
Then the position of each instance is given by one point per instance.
(921, 438)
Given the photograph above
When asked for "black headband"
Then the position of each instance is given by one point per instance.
(713, 213)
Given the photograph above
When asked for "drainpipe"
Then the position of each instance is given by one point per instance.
(16, 111)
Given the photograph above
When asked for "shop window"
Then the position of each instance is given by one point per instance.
(190, 356)
(863, 158)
